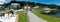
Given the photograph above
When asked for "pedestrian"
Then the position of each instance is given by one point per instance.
(2, 15)
(8, 15)
(12, 13)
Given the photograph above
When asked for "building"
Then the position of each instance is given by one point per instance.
(14, 6)
(27, 7)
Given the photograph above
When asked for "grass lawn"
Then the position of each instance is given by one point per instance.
(46, 17)
(4, 11)
(22, 17)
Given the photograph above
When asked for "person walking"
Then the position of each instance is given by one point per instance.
(12, 13)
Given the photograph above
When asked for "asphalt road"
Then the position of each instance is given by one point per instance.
(33, 18)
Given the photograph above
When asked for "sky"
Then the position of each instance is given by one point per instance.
(57, 2)
(1, 1)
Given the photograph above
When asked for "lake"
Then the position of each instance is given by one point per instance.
(57, 13)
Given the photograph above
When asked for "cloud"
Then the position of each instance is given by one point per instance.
(2, 1)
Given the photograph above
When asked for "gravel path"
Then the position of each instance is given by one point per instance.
(33, 18)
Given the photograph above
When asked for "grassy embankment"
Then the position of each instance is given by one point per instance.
(46, 17)
(22, 17)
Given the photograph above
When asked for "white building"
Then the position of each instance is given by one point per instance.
(36, 7)
(47, 10)
(27, 7)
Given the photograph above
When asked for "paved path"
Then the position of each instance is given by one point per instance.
(5, 19)
(33, 18)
